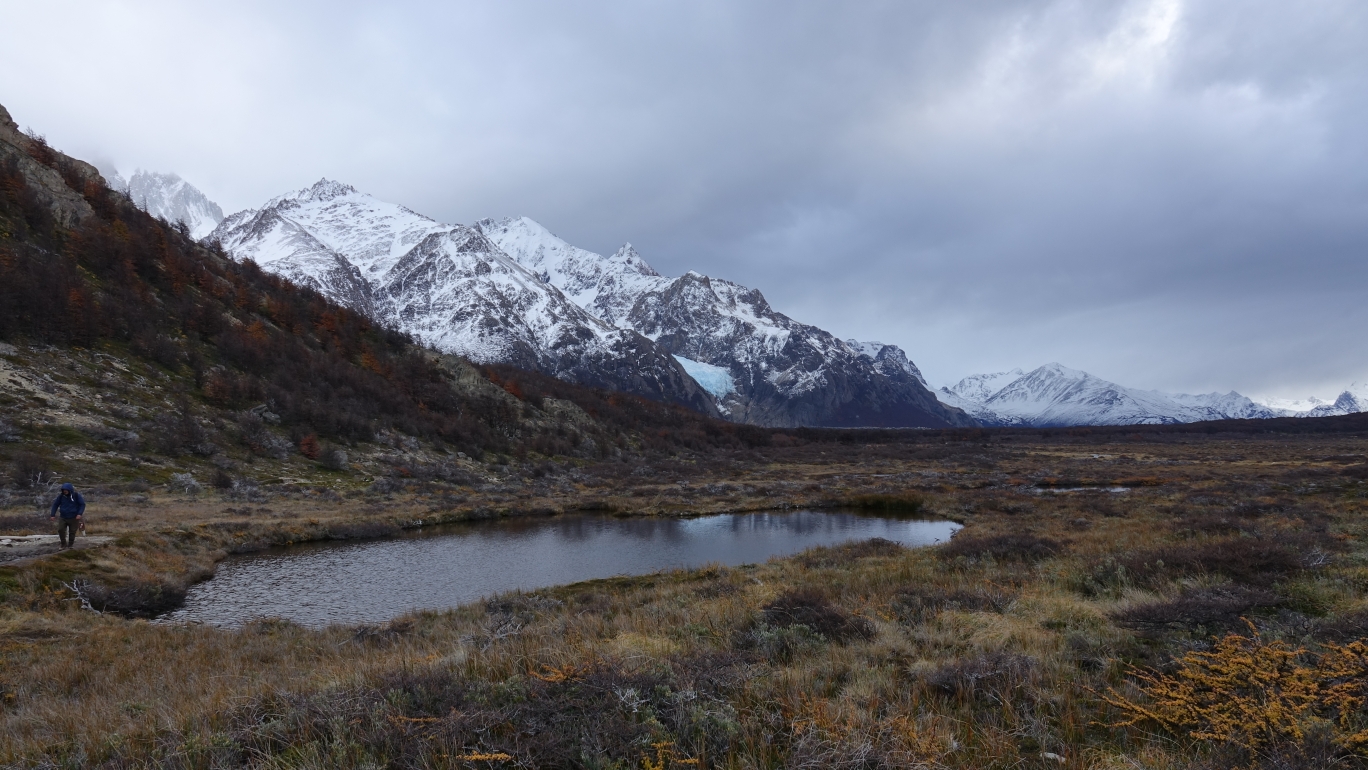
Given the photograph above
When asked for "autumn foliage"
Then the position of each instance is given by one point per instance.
(1256, 694)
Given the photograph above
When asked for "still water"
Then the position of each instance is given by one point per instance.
(374, 581)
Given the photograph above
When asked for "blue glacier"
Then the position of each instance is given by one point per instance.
(717, 380)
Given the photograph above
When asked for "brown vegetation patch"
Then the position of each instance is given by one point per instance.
(1208, 611)
(362, 530)
(904, 502)
(841, 555)
(1350, 627)
(556, 717)
(24, 524)
(806, 607)
(1011, 547)
(917, 604)
(1252, 561)
(1210, 523)
(996, 677)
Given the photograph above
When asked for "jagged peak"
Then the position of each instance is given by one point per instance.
(322, 191)
(326, 189)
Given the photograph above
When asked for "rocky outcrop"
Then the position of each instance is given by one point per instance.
(44, 169)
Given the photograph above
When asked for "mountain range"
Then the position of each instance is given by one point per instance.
(762, 366)
(512, 292)
(1054, 395)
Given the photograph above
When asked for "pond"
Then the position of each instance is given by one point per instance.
(373, 581)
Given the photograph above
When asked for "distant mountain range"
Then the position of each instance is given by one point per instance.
(512, 292)
(1054, 395)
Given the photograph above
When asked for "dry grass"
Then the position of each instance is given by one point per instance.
(989, 652)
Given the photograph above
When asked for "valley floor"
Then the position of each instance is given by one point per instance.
(1024, 642)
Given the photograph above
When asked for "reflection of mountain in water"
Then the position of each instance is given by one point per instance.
(376, 581)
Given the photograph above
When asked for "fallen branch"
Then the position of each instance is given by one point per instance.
(79, 587)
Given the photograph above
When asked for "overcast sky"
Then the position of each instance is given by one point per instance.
(1168, 194)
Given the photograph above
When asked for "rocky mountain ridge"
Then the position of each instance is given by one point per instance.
(449, 287)
(766, 368)
(511, 292)
(168, 197)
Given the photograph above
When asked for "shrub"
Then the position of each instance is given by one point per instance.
(1013, 547)
(24, 524)
(31, 470)
(1208, 610)
(1252, 561)
(221, 480)
(1253, 694)
(805, 607)
(333, 458)
(841, 555)
(918, 604)
(1345, 628)
(185, 482)
(990, 677)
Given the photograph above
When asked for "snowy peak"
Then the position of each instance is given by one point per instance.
(1055, 395)
(981, 387)
(450, 286)
(761, 366)
(325, 190)
(1351, 401)
(370, 234)
(887, 357)
(605, 286)
(171, 198)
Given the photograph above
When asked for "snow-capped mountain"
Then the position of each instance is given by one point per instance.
(1054, 395)
(450, 287)
(978, 388)
(1351, 401)
(762, 366)
(1292, 407)
(887, 356)
(171, 198)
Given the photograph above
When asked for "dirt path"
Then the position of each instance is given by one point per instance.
(18, 549)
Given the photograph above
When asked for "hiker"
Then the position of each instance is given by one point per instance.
(71, 506)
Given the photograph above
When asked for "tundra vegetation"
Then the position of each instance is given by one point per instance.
(1210, 615)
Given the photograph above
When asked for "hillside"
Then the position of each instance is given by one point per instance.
(136, 354)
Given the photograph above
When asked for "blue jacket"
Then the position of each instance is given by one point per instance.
(70, 507)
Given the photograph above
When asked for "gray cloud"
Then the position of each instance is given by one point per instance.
(1170, 194)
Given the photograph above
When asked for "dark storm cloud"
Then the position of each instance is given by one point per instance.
(1169, 194)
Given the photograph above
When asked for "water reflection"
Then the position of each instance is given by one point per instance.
(374, 581)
